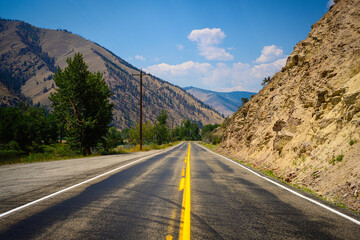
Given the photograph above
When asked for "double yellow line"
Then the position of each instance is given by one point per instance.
(186, 203)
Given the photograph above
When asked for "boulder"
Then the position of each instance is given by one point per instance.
(282, 139)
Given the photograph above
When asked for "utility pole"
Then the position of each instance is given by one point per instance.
(140, 74)
(172, 129)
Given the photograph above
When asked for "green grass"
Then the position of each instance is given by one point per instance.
(49, 153)
(62, 152)
(152, 146)
(10, 156)
(270, 174)
(207, 145)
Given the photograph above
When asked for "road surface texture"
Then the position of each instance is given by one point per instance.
(149, 197)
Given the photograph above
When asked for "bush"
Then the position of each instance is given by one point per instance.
(352, 142)
(13, 145)
(10, 156)
(212, 138)
(339, 158)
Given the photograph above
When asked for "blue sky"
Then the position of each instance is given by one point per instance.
(219, 45)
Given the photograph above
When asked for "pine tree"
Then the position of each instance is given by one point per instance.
(266, 81)
(82, 100)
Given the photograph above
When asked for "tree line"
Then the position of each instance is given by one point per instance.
(162, 131)
(26, 127)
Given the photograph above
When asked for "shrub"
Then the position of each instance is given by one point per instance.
(352, 142)
(339, 158)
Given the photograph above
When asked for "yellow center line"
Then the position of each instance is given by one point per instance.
(186, 204)
(184, 232)
(171, 226)
(182, 184)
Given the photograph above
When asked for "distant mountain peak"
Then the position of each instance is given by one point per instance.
(224, 102)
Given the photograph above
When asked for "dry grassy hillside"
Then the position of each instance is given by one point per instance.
(305, 124)
(30, 56)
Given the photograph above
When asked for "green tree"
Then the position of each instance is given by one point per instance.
(244, 100)
(125, 134)
(209, 128)
(177, 133)
(190, 131)
(266, 81)
(28, 126)
(208, 134)
(112, 139)
(82, 98)
(147, 133)
(161, 131)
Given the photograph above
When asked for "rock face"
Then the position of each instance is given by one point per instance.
(305, 124)
(29, 57)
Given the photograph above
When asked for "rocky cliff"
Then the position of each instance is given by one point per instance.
(29, 57)
(305, 124)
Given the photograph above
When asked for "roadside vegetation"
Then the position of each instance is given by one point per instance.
(33, 134)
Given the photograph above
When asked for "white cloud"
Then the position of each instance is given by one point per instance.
(157, 59)
(225, 77)
(206, 40)
(215, 53)
(179, 69)
(243, 76)
(184, 74)
(270, 53)
(139, 57)
(180, 47)
(330, 3)
(207, 36)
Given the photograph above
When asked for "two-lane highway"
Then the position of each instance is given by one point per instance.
(147, 200)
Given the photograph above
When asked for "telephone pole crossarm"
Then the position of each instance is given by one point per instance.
(140, 74)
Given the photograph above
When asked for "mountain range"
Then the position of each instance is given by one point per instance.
(29, 57)
(224, 102)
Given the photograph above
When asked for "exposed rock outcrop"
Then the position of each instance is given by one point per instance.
(305, 124)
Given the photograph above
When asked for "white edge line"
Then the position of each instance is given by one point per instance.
(81, 183)
(286, 188)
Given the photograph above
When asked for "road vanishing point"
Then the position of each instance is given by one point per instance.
(183, 192)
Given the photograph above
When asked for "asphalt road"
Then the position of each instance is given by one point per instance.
(143, 201)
